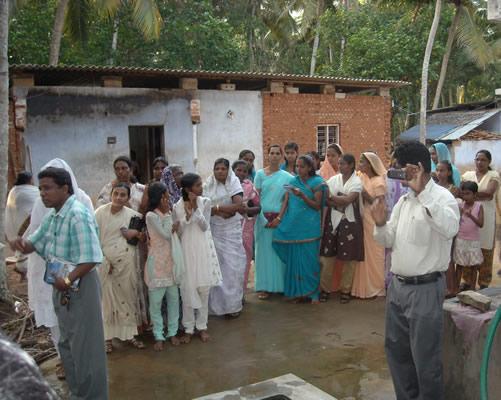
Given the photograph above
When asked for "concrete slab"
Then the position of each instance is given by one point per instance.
(289, 385)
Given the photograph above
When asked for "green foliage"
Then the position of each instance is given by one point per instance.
(368, 40)
(29, 34)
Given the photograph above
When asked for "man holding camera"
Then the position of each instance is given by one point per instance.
(419, 232)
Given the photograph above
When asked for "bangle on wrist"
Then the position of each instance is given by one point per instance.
(279, 219)
(67, 281)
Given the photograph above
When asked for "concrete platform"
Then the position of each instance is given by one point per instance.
(289, 386)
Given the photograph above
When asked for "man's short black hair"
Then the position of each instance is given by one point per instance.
(23, 178)
(60, 176)
(413, 153)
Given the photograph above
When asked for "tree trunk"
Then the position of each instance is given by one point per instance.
(57, 32)
(316, 41)
(424, 75)
(250, 36)
(114, 41)
(447, 55)
(341, 53)
(4, 136)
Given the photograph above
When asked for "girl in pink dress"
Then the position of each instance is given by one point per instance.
(467, 251)
(251, 199)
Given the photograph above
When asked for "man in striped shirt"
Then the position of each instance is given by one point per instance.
(69, 234)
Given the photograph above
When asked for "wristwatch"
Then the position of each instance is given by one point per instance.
(67, 281)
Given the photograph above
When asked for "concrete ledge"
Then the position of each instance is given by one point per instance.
(463, 357)
(288, 385)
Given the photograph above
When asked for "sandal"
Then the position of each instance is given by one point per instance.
(324, 296)
(108, 346)
(263, 296)
(233, 315)
(345, 298)
(137, 344)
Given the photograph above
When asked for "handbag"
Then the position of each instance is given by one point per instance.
(138, 224)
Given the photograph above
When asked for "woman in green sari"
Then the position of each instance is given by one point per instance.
(296, 240)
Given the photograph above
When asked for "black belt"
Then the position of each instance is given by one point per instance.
(419, 279)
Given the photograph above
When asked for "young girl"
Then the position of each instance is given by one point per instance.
(251, 200)
(467, 251)
(291, 150)
(444, 173)
(202, 269)
(164, 264)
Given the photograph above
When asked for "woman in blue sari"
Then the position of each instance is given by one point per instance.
(296, 240)
(440, 152)
(270, 181)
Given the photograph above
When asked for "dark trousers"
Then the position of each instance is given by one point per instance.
(82, 340)
(413, 341)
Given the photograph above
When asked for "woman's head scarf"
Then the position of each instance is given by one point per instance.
(39, 210)
(376, 163)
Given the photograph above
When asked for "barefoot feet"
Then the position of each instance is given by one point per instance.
(158, 346)
(204, 336)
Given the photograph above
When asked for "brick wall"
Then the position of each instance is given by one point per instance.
(364, 121)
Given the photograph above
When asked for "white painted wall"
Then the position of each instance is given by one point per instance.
(73, 123)
(464, 153)
(230, 121)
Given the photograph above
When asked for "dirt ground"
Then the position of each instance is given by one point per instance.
(338, 348)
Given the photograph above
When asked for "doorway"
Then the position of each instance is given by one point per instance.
(145, 144)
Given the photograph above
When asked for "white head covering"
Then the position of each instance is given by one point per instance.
(39, 210)
(232, 186)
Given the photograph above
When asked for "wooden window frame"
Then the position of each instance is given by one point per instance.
(328, 141)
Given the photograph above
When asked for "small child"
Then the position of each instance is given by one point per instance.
(163, 266)
(251, 199)
(467, 252)
(202, 271)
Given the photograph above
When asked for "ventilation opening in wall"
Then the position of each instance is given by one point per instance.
(145, 144)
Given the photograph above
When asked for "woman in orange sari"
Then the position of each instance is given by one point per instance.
(368, 280)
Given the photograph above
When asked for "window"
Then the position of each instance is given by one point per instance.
(326, 135)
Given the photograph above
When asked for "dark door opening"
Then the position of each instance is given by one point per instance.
(145, 143)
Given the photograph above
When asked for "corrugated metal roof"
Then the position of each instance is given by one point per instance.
(464, 129)
(141, 71)
(452, 130)
(433, 132)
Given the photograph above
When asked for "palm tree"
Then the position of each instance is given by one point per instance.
(465, 30)
(424, 75)
(4, 134)
(72, 15)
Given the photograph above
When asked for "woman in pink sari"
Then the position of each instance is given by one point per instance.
(251, 200)
(368, 280)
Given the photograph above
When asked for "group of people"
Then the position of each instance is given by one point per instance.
(186, 246)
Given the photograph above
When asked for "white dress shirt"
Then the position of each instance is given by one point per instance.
(420, 231)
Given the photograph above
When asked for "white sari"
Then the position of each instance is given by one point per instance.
(20, 202)
(227, 234)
